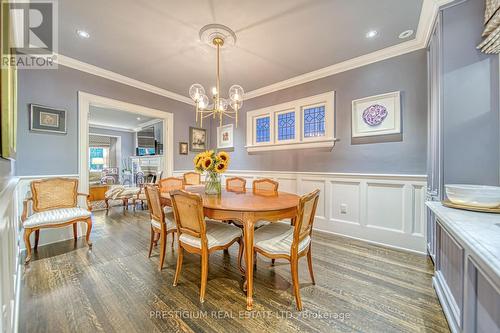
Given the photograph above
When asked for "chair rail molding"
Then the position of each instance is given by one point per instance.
(384, 209)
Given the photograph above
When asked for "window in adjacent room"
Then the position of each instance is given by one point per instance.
(99, 158)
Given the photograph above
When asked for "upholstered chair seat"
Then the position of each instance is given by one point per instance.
(218, 234)
(169, 222)
(56, 216)
(277, 238)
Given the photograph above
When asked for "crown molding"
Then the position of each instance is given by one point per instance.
(107, 74)
(428, 14)
(146, 124)
(99, 125)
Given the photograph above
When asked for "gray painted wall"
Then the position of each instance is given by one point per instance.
(50, 154)
(128, 141)
(406, 73)
(6, 168)
(470, 91)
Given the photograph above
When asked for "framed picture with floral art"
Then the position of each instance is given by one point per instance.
(376, 115)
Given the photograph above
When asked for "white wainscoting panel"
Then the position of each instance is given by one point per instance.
(10, 268)
(345, 194)
(384, 209)
(47, 236)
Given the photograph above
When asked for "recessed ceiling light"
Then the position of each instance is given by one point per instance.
(138, 118)
(406, 34)
(83, 34)
(371, 34)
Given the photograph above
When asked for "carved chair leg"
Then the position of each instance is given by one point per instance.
(151, 242)
(180, 255)
(310, 264)
(204, 276)
(75, 232)
(106, 201)
(163, 245)
(37, 238)
(294, 263)
(240, 255)
(273, 261)
(89, 230)
(27, 233)
(134, 202)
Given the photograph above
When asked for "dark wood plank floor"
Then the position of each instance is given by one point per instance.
(116, 288)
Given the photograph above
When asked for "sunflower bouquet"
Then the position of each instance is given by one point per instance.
(213, 164)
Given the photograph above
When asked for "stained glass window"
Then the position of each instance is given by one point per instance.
(263, 133)
(314, 121)
(286, 126)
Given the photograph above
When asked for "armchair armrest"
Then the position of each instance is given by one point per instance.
(87, 196)
(25, 209)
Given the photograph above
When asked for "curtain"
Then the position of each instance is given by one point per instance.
(99, 141)
(491, 33)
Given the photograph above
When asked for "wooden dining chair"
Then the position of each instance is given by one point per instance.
(170, 184)
(236, 184)
(192, 178)
(265, 186)
(281, 240)
(162, 222)
(200, 236)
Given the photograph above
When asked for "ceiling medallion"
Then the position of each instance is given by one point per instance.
(218, 36)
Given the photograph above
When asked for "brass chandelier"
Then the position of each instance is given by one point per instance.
(215, 35)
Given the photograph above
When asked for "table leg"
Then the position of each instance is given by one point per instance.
(248, 235)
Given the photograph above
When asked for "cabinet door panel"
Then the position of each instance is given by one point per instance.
(483, 302)
(450, 268)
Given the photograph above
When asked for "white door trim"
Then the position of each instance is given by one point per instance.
(85, 100)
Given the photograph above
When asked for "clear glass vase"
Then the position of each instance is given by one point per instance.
(212, 183)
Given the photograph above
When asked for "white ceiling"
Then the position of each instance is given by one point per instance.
(116, 119)
(156, 41)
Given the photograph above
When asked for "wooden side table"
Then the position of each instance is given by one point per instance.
(97, 192)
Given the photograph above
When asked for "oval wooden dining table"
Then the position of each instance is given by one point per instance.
(248, 208)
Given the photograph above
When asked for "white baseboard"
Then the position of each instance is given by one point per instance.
(384, 209)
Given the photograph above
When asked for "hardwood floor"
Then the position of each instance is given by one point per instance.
(116, 288)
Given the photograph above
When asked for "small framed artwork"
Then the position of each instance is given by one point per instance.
(197, 139)
(225, 136)
(183, 148)
(45, 119)
(376, 115)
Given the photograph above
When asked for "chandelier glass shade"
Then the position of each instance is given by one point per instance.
(217, 107)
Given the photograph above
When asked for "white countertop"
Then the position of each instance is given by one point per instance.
(480, 232)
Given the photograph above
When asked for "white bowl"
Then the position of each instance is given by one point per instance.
(474, 195)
